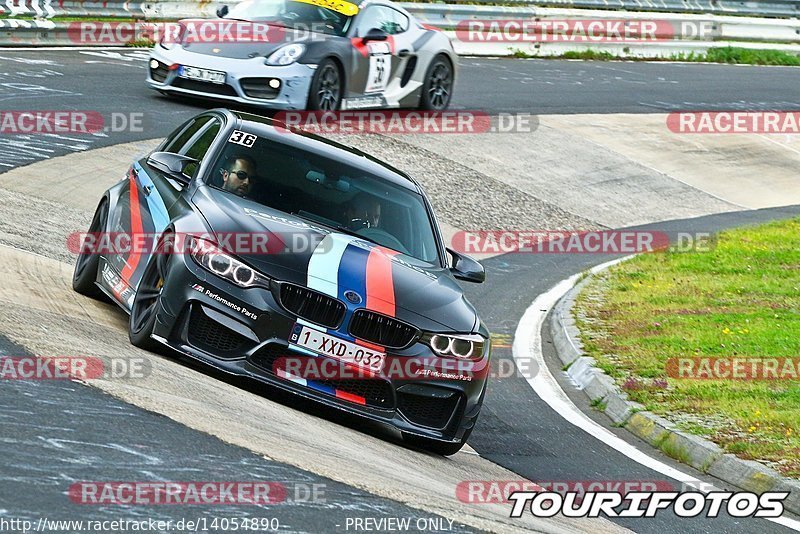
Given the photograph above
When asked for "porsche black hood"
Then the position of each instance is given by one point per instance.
(307, 254)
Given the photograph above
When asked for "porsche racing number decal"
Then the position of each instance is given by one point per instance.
(340, 6)
(380, 65)
(241, 138)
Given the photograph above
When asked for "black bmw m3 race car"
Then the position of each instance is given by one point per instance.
(279, 255)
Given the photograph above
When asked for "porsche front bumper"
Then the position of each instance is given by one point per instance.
(245, 79)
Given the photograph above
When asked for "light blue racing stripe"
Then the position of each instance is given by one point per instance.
(155, 204)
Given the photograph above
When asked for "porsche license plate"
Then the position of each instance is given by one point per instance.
(339, 349)
(203, 75)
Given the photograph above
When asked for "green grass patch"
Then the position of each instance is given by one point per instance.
(728, 54)
(741, 56)
(739, 300)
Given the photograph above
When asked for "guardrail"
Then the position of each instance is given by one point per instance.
(183, 8)
(688, 32)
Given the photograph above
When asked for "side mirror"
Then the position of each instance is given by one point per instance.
(171, 164)
(466, 268)
(222, 11)
(375, 34)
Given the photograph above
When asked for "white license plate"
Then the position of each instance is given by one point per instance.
(203, 75)
(339, 349)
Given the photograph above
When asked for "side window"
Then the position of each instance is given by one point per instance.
(400, 22)
(178, 143)
(198, 147)
(384, 18)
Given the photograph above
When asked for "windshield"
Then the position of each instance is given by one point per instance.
(327, 192)
(331, 17)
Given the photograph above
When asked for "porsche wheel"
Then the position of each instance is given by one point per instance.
(438, 86)
(326, 87)
(85, 274)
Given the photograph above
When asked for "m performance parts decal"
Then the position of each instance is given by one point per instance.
(647, 503)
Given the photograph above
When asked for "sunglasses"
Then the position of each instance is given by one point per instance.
(242, 175)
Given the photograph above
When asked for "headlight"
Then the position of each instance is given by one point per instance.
(462, 347)
(210, 257)
(286, 55)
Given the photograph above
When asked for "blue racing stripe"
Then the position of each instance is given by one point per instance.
(352, 276)
(155, 204)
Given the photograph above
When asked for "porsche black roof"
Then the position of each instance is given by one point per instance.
(271, 129)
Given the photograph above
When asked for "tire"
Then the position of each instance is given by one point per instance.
(85, 274)
(147, 301)
(327, 87)
(442, 448)
(437, 89)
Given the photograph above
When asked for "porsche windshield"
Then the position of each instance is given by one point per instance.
(327, 192)
(331, 17)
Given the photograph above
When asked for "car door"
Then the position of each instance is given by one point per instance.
(148, 202)
(378, 62)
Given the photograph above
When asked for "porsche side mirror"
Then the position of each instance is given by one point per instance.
(375, 34)
(171, 164)
(466, 268)
(222, 11)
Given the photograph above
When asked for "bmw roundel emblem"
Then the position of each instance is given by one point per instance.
(353, 297)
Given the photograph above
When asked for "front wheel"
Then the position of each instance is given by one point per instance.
(438, 86)
(85, 274)
(147, 301)
(327, 87)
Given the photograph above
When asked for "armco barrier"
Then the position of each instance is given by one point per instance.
(184, 8)
(717, 30)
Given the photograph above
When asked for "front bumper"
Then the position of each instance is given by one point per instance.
(245, 331)
(242, 79)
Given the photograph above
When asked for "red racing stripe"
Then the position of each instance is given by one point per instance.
(136, 229)
(380, 286)
(350, 397)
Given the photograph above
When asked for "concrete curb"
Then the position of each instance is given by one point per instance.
(695, 451)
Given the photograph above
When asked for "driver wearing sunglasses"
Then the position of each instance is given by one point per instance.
(238, 175)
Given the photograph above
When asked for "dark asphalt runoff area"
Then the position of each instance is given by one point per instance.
(50, 441)
(57, 433)
(112, 81)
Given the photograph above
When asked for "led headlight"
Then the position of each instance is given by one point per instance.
(207, 255)
(286, 55)
(461, 346)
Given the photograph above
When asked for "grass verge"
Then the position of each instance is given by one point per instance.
(728, 54)
(739, 300)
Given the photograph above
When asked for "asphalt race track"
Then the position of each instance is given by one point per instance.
(57, 433)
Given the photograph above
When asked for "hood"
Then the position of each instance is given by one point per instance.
(333, 263)
(237, 39)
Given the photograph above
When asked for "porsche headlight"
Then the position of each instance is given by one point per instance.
(460, 346)
(210, 257)
(286, 55)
